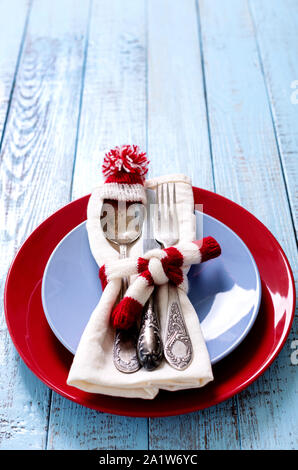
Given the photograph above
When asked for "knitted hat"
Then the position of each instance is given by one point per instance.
(124, 169)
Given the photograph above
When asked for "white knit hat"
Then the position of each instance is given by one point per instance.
(125, 168)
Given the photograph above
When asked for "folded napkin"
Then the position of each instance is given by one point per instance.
(93, 369)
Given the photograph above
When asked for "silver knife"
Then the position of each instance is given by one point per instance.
(149, 347)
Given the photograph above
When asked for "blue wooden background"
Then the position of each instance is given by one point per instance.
(210, 89)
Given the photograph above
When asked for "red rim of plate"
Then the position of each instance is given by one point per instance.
(258, 354)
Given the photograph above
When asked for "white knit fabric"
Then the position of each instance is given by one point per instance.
(124, 192)
(92, 369)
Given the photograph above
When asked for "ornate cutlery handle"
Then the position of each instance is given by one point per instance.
(125, 342)
(149, 346)
(178, 348)
(124, 351)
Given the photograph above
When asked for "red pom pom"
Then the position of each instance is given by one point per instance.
(127, 158)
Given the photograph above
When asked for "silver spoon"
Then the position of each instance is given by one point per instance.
(123, 226)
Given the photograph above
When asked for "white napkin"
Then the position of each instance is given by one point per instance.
(93, 369)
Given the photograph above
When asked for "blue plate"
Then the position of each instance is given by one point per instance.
(225, 292)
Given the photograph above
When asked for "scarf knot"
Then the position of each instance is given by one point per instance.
(162, 266)
(155, 268)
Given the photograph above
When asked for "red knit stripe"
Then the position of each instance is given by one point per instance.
(175, 256)
(171, 265)
(126, 313)
(103, 277)
(148, 277)
(125, 178)
(142, 265)
(176, 276)
(209, 248)
(144, 271)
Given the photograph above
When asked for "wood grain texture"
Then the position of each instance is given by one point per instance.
(35, 173)
(276, 26)
(13, 16)
(73, 427)
(213, 428)
(205, 87)
(178, 141)
(113, 112)
(178, 138)
(247, 170)
(114, 100)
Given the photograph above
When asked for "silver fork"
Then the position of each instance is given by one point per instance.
(177, 344)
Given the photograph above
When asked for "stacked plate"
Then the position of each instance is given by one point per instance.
(244, 325)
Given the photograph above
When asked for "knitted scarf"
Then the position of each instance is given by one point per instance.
(155, 268)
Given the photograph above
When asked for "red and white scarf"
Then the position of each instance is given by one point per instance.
(155, 268)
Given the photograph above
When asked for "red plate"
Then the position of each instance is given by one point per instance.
(50, 361)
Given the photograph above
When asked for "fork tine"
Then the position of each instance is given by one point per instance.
(162, 194)
(174, 212)
(164, 205)
(169, 206)
(168, 195)
(165, 219)
(174, 195)
(157, 215)
(174, 201)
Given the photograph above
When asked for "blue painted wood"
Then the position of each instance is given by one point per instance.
(206, 87)
(114, 99)
(73, 427)
(247, 169)
(23, 400)
(35, 174)
(13, 25)
(113, 112)
(276, 26)
(178, 138)
(178, 141)
(214, 428)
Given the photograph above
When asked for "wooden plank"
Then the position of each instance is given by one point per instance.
(35, 173)
(178, 141)
(214, 428)
(177, 127)
(276, 26)
(73, 427)
(113, 112)
(114, 101)
(267, 409)
(247, 169)
(13, 16)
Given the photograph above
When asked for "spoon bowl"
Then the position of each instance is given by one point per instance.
(122, 222)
